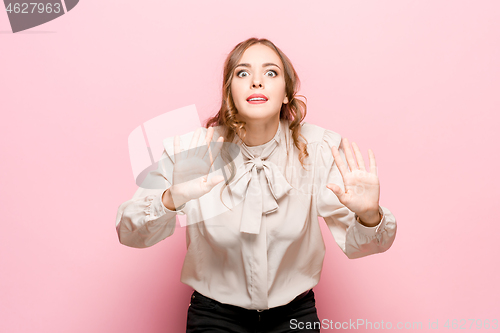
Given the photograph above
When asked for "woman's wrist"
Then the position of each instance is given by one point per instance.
(167, 200)
(171, 200)
(370, 219)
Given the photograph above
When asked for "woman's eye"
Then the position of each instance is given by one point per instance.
(273, 73)
(240, 73)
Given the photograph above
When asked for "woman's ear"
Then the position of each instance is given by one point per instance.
(285, 101)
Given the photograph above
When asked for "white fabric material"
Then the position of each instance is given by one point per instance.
(267, 248)
(266, 185)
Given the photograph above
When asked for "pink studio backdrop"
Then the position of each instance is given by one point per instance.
(416, 81)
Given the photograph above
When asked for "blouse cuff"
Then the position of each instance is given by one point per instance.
(371, 231)
(158, 203)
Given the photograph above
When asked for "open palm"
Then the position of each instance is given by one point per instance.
(362, 188)
(192, 167)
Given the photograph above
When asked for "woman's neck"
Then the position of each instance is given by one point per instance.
(259, 133)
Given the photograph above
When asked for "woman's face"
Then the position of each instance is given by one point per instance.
(259, 74)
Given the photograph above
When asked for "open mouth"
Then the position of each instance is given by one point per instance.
(257, 99)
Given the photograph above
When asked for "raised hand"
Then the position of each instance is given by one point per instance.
(191, 168)
(362, 188)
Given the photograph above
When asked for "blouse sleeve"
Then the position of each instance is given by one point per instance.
(355, 239)
(144, 221)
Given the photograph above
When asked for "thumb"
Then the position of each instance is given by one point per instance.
(335, 189)
(214, 181)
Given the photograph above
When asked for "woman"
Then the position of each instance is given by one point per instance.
(253, 265)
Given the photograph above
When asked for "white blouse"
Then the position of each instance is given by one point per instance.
(267, 247)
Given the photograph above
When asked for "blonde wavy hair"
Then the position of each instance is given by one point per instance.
(294, 111)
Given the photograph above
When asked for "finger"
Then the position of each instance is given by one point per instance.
(208, 138)
(215, 149)
(218, 146)
(210, 134)
(207, 185)
(359, 157)
(337, 190)
(373, 164)
(340, 162)
(177, 148)
(349, 156)
(216, 180)
(194, 143)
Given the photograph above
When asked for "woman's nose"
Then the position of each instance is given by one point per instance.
(256, 83)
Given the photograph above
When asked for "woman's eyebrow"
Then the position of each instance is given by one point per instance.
(263, 65)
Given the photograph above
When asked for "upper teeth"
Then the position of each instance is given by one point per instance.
(257, 99)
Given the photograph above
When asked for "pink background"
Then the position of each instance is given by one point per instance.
(416, 81)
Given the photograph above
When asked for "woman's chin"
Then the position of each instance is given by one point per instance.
(258, 116)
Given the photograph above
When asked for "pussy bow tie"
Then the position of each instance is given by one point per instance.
(264, 185)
